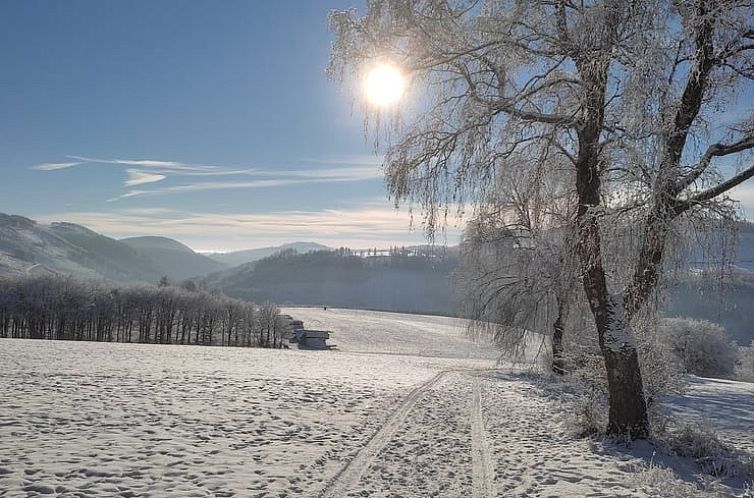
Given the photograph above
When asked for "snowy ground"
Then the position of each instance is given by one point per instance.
(726, 405)
(394, 333)
(433, 418)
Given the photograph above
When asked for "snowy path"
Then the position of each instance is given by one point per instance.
(438, 443)
(347, 480)
(126, 420)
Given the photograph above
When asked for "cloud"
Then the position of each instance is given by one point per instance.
(147, 163)
(146, 171)
(336, 175)
(132, 193)
(54, 166)
(744, 194)
(138, 177)
(354, 159)
(353, 173)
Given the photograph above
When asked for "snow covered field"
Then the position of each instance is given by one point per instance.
(395, 333)
(434, 418)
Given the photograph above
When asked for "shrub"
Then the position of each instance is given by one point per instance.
(661, 370)
(590, 413)
(701, 444)
(702, 347)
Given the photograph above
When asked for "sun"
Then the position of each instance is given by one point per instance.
(384, 85)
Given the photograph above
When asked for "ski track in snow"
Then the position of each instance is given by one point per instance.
(483, 468)
(355, 469)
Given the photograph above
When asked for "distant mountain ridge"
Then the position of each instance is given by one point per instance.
(704, 296)
(156, 242)
(236, 258)
(28, 247)
(417, 280)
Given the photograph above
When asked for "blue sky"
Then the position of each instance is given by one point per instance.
(209, 122)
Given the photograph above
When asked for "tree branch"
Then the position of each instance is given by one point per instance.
(713, 192)
(715, 150)
(537, 117)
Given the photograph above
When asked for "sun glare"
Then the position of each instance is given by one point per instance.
(384, 85)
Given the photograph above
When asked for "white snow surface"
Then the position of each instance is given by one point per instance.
(726, 405)
(407, 407)
(394, 333)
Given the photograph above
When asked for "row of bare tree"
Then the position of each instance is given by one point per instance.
(63, 308)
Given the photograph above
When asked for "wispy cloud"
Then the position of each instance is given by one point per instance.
(235, 185)
(138, 177)
(54, 166)
(148, 163)
(147, 171)
(353, 173)
(744, 194)
(358, 159)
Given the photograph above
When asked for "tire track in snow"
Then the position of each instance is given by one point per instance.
(483, 472)
(350, 475)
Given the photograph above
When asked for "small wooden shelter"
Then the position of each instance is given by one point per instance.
(307, 339)
(311, 339)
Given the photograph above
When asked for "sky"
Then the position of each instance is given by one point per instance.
(209, 122)
(212, 123)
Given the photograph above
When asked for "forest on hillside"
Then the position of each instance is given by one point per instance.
(412, 280)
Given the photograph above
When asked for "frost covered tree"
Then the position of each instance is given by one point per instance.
(271, 328)
(63, 308)
(635, 97)
(704, 348)
(516, 271)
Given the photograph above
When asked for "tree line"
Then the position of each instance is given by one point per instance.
(63, 308)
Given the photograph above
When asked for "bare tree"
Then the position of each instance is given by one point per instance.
(61, 308)
(517, 273)
(624, 92)
(270, 326)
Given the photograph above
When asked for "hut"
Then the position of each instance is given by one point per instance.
(311, 339)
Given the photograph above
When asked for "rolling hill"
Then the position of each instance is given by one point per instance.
(176, 260)
(414, 281)
(28, 247)
(399, 282)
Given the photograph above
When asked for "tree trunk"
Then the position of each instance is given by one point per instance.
(558, 362)
(628, 408)
(649, 263)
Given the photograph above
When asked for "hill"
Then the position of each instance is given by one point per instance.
(175, 260)
(237, 258)
(107, 257)
(704, 297)
(745, 248)
(398, 282)
(28, 247)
